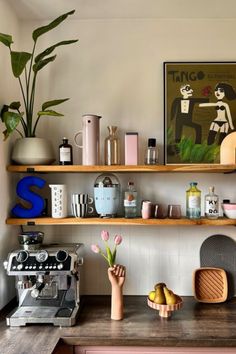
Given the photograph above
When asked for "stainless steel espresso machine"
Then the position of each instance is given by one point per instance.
(47, 281)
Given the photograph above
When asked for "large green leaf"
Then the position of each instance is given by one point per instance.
(50, 113)
(15, 105)
(48, 104)
(41, 30)
(40, 64)
(49, 50)
(109, 256)
(6, 39)
(11, 120)
(19, 61)
(3, 110)
(114, 256)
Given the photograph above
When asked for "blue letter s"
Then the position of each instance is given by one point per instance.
(24, 192)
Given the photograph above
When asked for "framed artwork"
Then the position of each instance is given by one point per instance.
(199, 110)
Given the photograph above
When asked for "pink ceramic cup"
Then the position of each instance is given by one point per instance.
(146, 210)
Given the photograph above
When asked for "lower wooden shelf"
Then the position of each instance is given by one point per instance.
(121, 221)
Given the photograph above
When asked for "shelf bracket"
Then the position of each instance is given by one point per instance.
(229, 172)
(30, 169)
(30, 223)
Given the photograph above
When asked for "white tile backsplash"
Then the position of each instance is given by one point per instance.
(150, 254)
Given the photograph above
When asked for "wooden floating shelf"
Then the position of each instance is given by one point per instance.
(213, 168)
(121, 221)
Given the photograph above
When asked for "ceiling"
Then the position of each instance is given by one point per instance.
(98, 9)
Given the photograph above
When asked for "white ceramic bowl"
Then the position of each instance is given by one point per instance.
(229, 210)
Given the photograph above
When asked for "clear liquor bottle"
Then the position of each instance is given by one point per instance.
(193, 202)
(151, 155)
(130, 201)
(211, 204)
(112, 147)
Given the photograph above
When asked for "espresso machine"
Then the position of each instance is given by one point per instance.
(47, 281)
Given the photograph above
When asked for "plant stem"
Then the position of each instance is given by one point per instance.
(106, 259)
(30, 69)
(22, 91)
(19, 133)
(30, 99)
(36, 123)
(31, 105)
(23, 122)
(23, 95)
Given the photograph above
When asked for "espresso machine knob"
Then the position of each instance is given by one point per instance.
(61, 256)
(22, 256)
(60, 266)
(20, 266)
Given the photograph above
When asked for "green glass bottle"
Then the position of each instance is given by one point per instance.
(193, 202)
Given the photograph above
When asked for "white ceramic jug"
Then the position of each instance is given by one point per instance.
(90, 139)
(59, 200)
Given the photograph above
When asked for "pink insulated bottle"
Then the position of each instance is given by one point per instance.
(90, 139)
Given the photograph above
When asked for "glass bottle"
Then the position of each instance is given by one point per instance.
(112, 147)
(130, 201)
(193, 202)
(211, 204)
(151, 156)
(65, 153)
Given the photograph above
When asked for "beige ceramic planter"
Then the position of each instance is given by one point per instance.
(33, 151)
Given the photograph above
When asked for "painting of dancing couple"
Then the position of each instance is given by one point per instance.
(200, 110)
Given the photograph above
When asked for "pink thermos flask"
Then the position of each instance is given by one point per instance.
(90, 139)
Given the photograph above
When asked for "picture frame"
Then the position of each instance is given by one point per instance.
(199, 110)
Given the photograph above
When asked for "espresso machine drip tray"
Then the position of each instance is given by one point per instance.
(56, 316)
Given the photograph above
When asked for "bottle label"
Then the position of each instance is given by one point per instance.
(130, 203)
(65, 154)
(130, 200)
(194, 202)
(212, 206)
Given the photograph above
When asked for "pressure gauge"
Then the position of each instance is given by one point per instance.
(42, 256)
(22, 256)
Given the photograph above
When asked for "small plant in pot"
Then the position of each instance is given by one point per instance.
(26, 67)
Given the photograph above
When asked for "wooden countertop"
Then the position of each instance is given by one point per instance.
(195, 325)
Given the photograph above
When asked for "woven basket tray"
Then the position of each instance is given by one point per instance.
(210, 285)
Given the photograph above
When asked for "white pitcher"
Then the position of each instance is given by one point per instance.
(59, 200)
(90, 139)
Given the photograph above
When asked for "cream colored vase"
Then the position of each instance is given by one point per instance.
(33, 151)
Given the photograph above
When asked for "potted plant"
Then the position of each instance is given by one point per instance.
(26, 67)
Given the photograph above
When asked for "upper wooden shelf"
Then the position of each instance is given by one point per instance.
(212, 168)
(121, 221)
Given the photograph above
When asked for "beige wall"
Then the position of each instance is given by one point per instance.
(8, 239)
(116, 71)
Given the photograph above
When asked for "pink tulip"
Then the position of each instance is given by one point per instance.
(118, 239)
(95, 248)
(105, 235)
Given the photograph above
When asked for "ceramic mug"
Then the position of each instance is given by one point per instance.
(160, 211)
(146, 209)
(174, 211)
(80, 198)
(81, 210)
